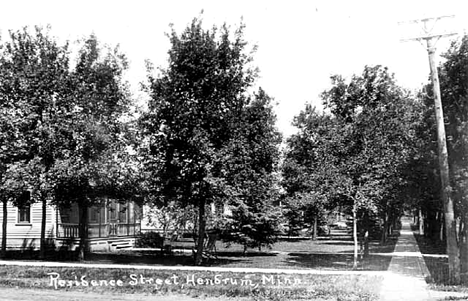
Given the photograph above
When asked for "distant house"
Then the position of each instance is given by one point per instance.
(112, 225)
(152, 218)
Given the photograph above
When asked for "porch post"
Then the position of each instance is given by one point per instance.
(56, 221)
(106, 210)
(128, 218)
(100, 209)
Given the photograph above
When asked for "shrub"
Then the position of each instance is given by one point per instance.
(149, 240)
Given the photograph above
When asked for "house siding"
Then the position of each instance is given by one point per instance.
(27, 235)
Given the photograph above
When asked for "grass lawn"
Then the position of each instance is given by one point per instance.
(334, 252)
(329, 253)
(437, 263)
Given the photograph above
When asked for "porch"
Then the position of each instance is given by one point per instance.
(111, 225)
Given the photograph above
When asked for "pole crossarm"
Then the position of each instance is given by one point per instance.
(425, 19)
(437, 36)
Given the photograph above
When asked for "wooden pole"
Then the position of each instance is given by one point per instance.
(449, 215)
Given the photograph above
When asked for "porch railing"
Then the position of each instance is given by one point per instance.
(68, 230)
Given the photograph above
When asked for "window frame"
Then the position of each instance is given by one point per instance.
(21, 212)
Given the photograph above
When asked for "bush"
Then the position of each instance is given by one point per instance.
(149, 240)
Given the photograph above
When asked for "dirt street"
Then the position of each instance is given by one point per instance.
(21, 294)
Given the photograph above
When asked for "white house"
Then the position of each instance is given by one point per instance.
(111, 225)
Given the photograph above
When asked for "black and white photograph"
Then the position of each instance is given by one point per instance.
(233, 150)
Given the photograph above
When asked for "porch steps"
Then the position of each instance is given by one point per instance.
(121, 244)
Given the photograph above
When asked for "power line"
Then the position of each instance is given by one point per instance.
(428, 34)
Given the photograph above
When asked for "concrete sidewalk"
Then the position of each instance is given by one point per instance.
(407, 272)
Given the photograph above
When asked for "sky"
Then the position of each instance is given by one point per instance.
(300, 43)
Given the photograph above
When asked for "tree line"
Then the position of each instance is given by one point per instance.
(62, 136)
(71, 134)
(372, 151)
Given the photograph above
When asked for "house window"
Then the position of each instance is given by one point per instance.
(94, 214)
(24, 214)
(24, 209)
(113, 212)
(123, 213)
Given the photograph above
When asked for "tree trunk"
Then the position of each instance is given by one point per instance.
(464, 250)
(391, 222)
(435, 224)
(355, 262)
(421, 222)
(314, 236)
(385, 229)
(366, 234)
(43, 242)
(4, 228)
(83, 232)
(42, 251)
(441, 228)
(201, 232)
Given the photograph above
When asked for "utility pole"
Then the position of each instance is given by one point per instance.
(449, 216)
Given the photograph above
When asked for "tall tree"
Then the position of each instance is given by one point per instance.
(423, 173)
(454, 93)
(33, 68)
(249, 163)
(194, 104)
(95, 160)
(384, 118)
(359, 152)
(14, 149)
(305, 166)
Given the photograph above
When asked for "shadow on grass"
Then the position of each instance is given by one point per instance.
(333, 254)
(185, 259)
(437, 265)
(293, 238)
(141, 258)
(388, 246)
(321, 261)
(338, 243)
(335, 237)
(430, 246)
(246, 255)
(51, 255)
(433, 251)
(338, 261)
(344, 260)
(438, 268)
